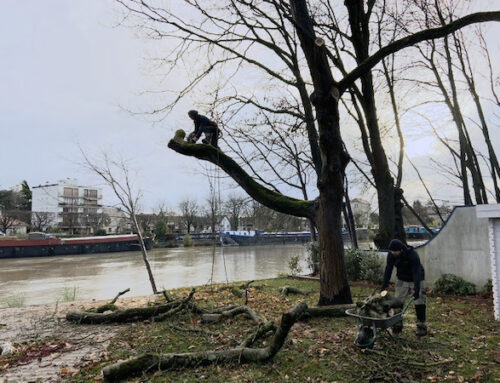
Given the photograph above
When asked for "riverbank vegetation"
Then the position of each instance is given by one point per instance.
(462, 344)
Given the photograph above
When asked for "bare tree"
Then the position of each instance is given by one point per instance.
(6, 221)
(41, 221)
(440, 58)
(462, 53)
(116, 174)
(96, 221)
(12, 209)
(222, 35)
(234, 207)
(190, 212)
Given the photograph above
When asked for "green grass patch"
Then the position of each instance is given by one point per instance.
(15, 301)
(69, 294)
(462, 344)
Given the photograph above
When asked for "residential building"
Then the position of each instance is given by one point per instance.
(361, 211)
(117, 222)
(69, 207)
(18, 228)
(222, 225)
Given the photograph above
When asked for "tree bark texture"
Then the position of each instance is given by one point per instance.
(334, 288)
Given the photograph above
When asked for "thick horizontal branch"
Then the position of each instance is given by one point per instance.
(121, 316)
(217, 317)
(261, 194)
(336, 311)
(428, 34)
(129, 315)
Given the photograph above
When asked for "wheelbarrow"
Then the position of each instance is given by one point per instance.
(367, 326)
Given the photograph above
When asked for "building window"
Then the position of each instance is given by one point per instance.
(90, 193)
(70, 192)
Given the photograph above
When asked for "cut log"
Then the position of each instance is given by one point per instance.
(286, 290)
(379, 306)
(151, 362)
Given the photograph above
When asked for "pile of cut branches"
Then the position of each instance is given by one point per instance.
(378, 306)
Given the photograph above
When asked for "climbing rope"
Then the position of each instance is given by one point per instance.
(214, 174)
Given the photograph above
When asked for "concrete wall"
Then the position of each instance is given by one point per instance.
(461, 248)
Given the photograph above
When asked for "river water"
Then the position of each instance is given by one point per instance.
(100, 276)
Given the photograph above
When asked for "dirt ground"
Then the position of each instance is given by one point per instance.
(50, 348)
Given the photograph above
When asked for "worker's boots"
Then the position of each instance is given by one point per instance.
(421, 329)
(421, 325)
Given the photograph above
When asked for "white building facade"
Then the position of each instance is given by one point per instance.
(492, 213)
(68, 206)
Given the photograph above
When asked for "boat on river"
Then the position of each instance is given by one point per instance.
(259, 237)
(44, 245)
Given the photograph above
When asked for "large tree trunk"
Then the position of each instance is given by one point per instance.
(387, 216)
(334, 287)
(384, 183)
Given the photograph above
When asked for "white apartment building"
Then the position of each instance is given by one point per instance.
(68, 206)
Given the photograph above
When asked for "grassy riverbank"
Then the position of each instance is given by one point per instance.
(463, 344)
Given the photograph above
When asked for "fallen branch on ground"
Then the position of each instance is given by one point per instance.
(262, 331)
(152, 362)
(247, 311)
(286, 290)
(111, 305)
(119, 295)
(233, 289)
(124, 316)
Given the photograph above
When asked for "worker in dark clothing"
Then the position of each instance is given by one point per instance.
(410, 280)
(204, 125)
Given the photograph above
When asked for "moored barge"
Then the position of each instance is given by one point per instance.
(52, 246)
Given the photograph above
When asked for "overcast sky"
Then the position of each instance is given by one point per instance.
(64, 73)
(65, 70)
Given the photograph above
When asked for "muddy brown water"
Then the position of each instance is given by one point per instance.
(41, 280)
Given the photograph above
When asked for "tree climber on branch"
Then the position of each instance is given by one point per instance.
(203, 124)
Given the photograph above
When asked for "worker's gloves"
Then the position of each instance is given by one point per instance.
(415, 295)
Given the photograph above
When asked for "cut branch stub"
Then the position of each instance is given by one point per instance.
(319, 41)
(265, 196)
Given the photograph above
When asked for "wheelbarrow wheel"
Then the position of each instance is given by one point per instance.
(366, 337)
(397, 328)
